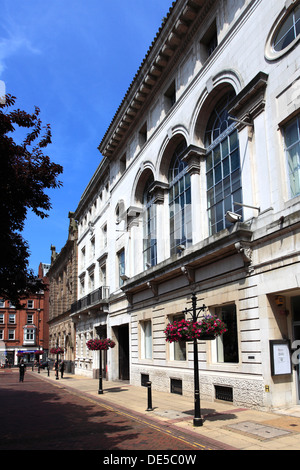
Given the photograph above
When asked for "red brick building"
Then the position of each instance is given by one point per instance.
(25, 330)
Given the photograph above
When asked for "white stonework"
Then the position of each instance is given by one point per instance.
(238, 270)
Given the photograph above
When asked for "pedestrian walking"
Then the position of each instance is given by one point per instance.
(22, 368)
(62, 368)
(56, 369)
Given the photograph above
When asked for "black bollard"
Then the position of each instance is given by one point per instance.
(48, 370)
(149, 397)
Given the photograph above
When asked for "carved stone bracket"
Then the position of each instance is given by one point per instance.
(246, 253)
(132, 216)
(129, 297)
(192, 156)
(189, 273)
(250, 102)
(154, 287)
(158, 190)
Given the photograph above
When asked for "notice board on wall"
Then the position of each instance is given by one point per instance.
(280, 355)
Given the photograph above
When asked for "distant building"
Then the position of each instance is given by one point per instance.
(25, 331)
(62, 277)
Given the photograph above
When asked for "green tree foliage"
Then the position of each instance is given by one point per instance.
(25, 173)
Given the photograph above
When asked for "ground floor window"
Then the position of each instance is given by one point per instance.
(227, 344)
(146, 339)
(178, 349)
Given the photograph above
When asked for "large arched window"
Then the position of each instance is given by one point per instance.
(149, 227)
(223, 174)
(179, 202)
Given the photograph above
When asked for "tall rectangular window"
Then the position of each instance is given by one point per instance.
(104, 236)
(91, 281)
(102, 274)
(170, 96)
(92, 253)
(180, 202)
(292, 150)
(11, 334)
(227, 344)
(146, 339)
(121, 265)
(223, 178)
(149, 226)
(178, 349)
(82, 286)
(82, 259)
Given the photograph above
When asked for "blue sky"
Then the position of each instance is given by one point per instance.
(75, 60)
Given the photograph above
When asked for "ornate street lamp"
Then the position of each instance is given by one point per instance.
(57, 351)
(100, 345)
(37, 354)
(198, 420)
(205, 328)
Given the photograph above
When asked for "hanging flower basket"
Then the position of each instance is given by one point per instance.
(19, 354)
(37, 353)
(100, 344)
(186, 330)
(57, 350)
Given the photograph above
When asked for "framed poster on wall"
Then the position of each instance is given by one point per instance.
(280, 355)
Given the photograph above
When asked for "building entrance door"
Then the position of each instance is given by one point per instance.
(123, 338)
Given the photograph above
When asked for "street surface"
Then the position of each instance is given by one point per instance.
(38, 415)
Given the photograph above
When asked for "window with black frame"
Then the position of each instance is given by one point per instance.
(149, 227)
(227, 343)
(178, 348)
(223, 170)
(179, 202)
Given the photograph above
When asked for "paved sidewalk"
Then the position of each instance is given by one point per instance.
(236, 428)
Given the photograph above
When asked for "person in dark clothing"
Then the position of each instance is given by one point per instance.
(62, 368)
(56, 369)
(22, 367)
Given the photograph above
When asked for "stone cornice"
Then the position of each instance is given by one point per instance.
(173, 35)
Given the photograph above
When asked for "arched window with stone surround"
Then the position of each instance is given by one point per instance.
(149, 226)
(223, 170)
(179, 201)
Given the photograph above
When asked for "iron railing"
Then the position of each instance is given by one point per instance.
(91, 300)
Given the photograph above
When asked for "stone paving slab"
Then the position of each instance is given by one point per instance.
(258, 430)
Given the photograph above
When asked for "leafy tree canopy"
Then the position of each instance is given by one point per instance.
(25, 173)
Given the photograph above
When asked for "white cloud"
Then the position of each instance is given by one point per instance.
(13, 43)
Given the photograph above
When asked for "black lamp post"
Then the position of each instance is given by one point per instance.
(195, 311)
(100, 390)
(56, 368)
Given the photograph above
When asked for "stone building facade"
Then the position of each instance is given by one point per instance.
(24, 331)
(63, 293)
(198, 192)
